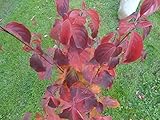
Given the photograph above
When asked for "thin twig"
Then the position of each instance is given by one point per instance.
(125, 36)
(26, 44)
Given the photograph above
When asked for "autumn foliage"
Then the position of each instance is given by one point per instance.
(86, 62)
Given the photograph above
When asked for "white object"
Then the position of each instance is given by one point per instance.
(127, 7)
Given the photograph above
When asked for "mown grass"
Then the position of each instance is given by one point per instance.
(21, 91)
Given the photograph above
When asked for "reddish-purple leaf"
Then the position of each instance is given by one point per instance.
(134, 49)
(146, 31)
(74, 35)
(36, 63)
(113, 62)
(146, 26)
(95, 22)
(81, 58)
(82, 101)
(83, 96)
(66, 33)
(106, 80)
(149, 6)
(60, 58)
(76, 63)
(99, 107)
(50, 114)
(110, 102)
(80, 36)
(27, 116)
(71, 114)
(143, 24)
(107, 37)
(62, 6)
(104, 52)
(19, 30)
(56, 29)
(117, 52)
(76, 17)
(53, 102)
(89, 72)
(65, 93)
(52, 89)
(48, 64)
(50, 102)
(49, 98)
(93, 74)
(125, 27)
(71, 77)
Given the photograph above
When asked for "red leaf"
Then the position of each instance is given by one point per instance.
(75, 63)
(71, 114)
(149, 6)
(117, 52)
(19, 30)
(65, 93)
(60, 58)
(110, 102)
(56, 29)
(50, 114)
(50, 102)
(48, 65)
(36, 63)
(106, 79)
(146, 31)
(124, 27)
(80, 36)
(107, 37)
(52, 89)
(76, 17)
(95, 22)
(146, 26)
(66, 33)
(94, 74)
(71, 77)
(134, 49)
(82, 101)
(113, 62)
(99, 107)
(81, 58)
(53, 102)
(104, 52)
(76, 32)
(62, 6)
(50, 96)
(27, 116)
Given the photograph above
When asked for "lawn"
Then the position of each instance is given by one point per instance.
(21, 91)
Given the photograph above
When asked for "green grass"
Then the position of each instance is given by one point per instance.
(21, 91)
